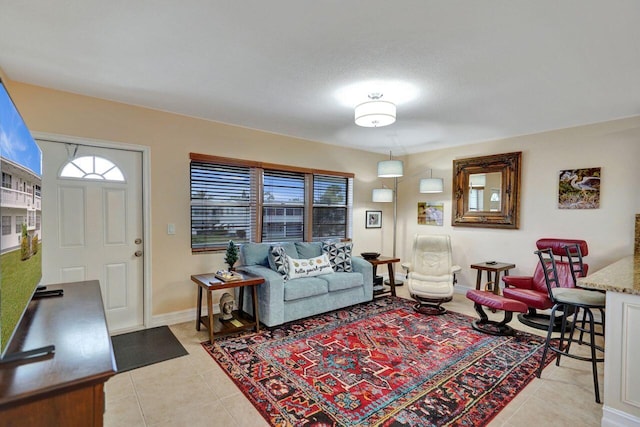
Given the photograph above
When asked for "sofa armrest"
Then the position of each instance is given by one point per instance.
(270, 295)
(361, 265)
(520, 282)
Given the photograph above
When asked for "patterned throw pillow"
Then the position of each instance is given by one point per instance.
(278, 258)
(309, 267)
(339, 255)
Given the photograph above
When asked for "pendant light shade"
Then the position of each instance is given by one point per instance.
(382, 195)
(390, 169)
(431, 185)
(376, 112)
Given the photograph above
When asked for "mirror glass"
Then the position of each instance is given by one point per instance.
(486, 191)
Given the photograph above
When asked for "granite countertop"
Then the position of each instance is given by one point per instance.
(621, 276)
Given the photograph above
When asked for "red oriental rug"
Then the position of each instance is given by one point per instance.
(379, 363)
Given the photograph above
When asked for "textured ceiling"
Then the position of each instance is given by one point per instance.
(460, 71)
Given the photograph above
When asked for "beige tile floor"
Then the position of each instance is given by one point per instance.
(193, 391)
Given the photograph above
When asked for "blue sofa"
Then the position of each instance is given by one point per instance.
(282, 300)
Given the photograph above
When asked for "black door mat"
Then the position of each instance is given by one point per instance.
(141, 348)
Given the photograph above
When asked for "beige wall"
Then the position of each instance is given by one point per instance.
(614, 146)
(172, 138)
(609, 230)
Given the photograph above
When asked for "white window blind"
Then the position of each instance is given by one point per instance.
(222, 205)
(283, 206)
(331, 206)
(247, 201)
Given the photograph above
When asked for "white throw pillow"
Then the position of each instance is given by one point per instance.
(309, 267)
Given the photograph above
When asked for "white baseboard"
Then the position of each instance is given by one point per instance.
(460, 289)
(612, 417)
(189, 315)
(175, 317)
(399, 276)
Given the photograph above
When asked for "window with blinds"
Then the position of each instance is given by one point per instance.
(248, 201)
(222, 205)
(331, 202)
(283, 206)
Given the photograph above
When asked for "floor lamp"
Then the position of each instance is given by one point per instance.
(395, 169)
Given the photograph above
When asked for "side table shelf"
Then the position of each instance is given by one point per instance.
(209, 283)
(225, 327)
(389, 261)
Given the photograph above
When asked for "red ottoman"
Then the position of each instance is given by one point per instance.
(496, 302)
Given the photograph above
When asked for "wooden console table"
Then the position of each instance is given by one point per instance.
(381, 260)
(492, 268)
(66, 388)
(209, 283)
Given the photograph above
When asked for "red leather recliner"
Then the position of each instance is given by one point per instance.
(532, 290)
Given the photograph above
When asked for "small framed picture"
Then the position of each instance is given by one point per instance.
(430, 213)
(579, 188)
(373, 219)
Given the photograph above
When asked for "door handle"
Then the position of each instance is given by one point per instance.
(138, 253)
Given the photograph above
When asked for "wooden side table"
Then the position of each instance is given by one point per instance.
(492, 268)
(209, 283)
(381, 260)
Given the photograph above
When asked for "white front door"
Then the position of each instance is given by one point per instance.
(92, 224)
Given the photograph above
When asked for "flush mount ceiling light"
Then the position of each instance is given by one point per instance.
(376, 112)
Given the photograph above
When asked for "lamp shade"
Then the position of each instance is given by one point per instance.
(431, 185)
(375, 113)
(477, 180)
(383, 195)
(390, 169)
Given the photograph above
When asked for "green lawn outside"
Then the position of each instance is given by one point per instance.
(16, 287)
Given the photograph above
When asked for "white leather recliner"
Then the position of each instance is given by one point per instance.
(431, 273)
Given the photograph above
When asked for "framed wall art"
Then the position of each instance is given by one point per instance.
(579, 188)
(373, 219)
(430, 213)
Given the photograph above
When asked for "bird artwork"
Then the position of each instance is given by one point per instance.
(587, 183)
(579, 189)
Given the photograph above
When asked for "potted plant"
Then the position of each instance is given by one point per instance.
(231, 255)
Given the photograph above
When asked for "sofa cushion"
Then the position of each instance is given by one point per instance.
(308, 249)
(342, 281)
(304, 288)
(254, 254)
(309, 267)
(339, 255)
(279, 261)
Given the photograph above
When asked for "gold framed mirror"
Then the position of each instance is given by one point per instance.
(486, 191)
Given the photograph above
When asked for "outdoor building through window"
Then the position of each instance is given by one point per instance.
(248, 201)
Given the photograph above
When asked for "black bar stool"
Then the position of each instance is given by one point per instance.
(574, 258)
(571, 300)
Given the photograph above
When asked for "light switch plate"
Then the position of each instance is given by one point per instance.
(171, 229)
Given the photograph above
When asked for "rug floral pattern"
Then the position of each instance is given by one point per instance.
(379, 363)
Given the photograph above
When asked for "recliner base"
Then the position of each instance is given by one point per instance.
(430, 306)
(539, 321)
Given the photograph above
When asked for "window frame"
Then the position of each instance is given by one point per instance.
(258, 168)
(6, 226)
